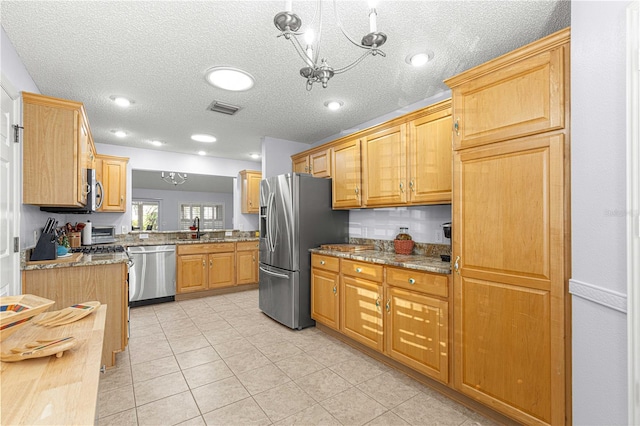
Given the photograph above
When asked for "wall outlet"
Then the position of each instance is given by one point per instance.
(439, 236)
(228, 233)
(124, 229)
(144, 236)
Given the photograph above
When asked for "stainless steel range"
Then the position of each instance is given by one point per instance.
(105, 249)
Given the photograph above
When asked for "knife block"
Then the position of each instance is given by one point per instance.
(46, 247)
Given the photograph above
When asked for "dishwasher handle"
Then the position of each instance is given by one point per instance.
(273, 273)
(152, 251)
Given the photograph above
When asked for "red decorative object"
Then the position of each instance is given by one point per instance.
(403, 246)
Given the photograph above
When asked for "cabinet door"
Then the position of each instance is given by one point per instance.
(346, 187)
(325, 302)
(508, 212)
(430, 163)
(253, 186)
(417, 332)
(301, 165)
(361, 311)
(222, 271)
(524, 98)
(114, 176)
(384, 167)
(84, 152)
(192, 273)
(320, 163)
(246, 267)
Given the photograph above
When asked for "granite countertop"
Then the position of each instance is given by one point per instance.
(181, 241)
(85, 260)
(410, 261)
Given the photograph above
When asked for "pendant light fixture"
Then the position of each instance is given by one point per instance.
(317, 69)
(174, 178)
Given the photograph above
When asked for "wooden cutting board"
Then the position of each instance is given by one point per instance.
(75, 257)
(347, 247)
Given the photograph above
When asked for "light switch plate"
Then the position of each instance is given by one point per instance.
(439, 236)
(144, 236)
(228, 233)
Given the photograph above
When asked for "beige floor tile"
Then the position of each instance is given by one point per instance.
(115, 401)
(170, 317)
(267, 339)
(244, 412)
(390, 389)
(180, 328)
(323, 384)
(159, 388)
(189, 343)
(123, 418)
(253, 329)
(314, 415)
(387, 419)
(115, 377)
(206, 373)
(211, 324)
(149, 352)
(353, 407)
(150, 331)
(122, 358)
(334, 353)
(168, 411)
(246, 361)
(154, 368)
(219, 394)
(279, 351)
(423, 409)
(283, 401)
(196, 421)
(358, 370)
(299, 366)
(263, 378)
(197, 357)
(221, 335)
(234, 347)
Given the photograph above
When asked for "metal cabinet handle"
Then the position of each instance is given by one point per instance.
(456, 126)
(204, 263)
(322, 262)
(388, 305)
(357, 190)
(401, 187)
(412, 281)
(335, 290)
(378, 303)
(358, 270)
(211, 263)
(456, 266)
(411, 185)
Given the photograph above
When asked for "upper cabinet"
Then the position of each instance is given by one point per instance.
(250, 191)
(317, 163)
(405, 161)
(112, 174)
(57, 151)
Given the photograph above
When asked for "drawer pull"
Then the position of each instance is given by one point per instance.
(335, 290)
(358, 270)
(412, 281)
(322, 262)
(378, 303)
(388, 305)
(211, 263)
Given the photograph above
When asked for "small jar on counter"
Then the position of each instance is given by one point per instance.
(403, 243)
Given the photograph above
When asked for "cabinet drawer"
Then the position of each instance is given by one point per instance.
(362, 270)
(192, 249)
(221, 247)
(329, 263)
(424, 282)
(247, 245)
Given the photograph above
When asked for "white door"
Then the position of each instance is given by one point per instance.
(9, 190)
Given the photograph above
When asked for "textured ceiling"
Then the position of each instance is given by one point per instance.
(156, 53)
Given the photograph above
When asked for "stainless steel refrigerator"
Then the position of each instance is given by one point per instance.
(295, 215)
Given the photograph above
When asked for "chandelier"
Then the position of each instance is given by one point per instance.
(174, 178)
(316, 69)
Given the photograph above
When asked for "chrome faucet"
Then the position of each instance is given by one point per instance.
(196, 223)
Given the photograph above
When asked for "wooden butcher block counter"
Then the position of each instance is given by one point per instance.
(50, 390)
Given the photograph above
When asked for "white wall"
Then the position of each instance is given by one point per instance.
(169, 214)
(598, 205)
(276, 155)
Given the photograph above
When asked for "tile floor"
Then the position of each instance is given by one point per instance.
(220, 361)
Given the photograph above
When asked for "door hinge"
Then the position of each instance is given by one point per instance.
(16, 244)
(16, 134)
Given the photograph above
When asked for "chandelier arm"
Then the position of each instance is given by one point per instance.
(335, 12)
(301, 52)
(353, 64)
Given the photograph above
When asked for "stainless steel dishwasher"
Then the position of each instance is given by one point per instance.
(152, 278)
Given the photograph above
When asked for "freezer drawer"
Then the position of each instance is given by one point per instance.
(280, 298)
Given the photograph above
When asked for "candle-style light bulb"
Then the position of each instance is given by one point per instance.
(372, 20)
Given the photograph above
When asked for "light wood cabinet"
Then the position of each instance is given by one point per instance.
(205, 266)
(222, 269)
(192, 272)
(56, 148)
(325, 297)
(346, 182)
(247, 262)
(361, 296)
(511, 240)
(317, 163)
(250, 191)
(384, 167)
(105, 283)
(429, 155)
(112, 174)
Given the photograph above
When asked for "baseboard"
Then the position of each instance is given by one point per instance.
(216, 291)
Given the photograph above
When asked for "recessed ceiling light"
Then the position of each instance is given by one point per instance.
(119, 133)
(202, 153)
(419, 59)
(254, 156)
(228, 78)
(156, 143)
(203, 138)
(121, 101)
(334, 105)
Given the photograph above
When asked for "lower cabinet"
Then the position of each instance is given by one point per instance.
(106, 284)
(210, 266)
(325, 294)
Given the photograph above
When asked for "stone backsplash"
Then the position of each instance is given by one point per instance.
(425, 249)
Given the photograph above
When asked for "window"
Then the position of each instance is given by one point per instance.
(144, 215)
(211, 216)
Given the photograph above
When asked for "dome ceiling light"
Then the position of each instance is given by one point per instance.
(419, 59)
(334, 105)
(229, 78)
(121, 101)
(201, 137)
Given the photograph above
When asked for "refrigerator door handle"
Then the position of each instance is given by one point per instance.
(272, 223)
(273, 273)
